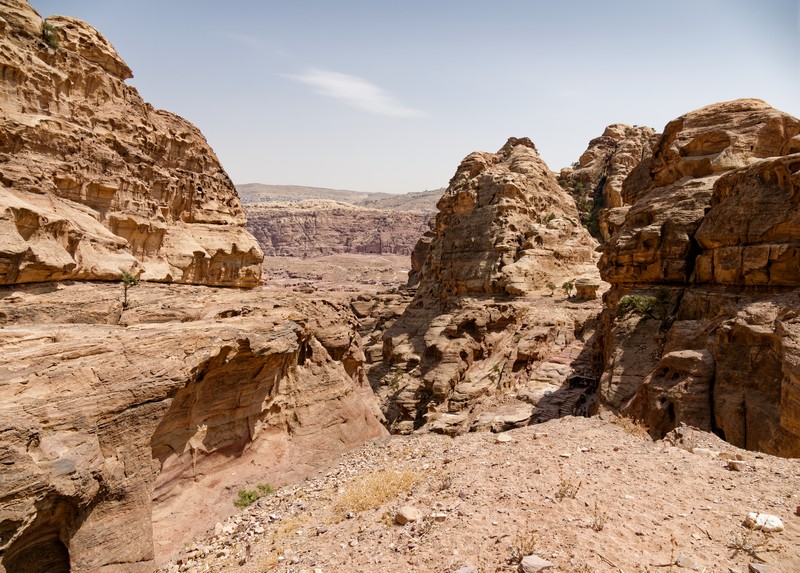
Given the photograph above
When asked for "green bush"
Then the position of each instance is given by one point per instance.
(247, 497)
(50, 35)
(659, 306)
(634, 304)
(265, 489)
(128, 281)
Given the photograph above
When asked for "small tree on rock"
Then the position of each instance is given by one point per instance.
(128, 281)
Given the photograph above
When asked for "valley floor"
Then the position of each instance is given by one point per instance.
(588, 495)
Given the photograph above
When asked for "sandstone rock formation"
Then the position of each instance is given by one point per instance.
(314, 228)
(705, 271)
(481, 321)
(126, 432)
(97, 182)
(595, 180)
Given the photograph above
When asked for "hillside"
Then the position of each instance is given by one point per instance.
(586, 495)
(415, 201)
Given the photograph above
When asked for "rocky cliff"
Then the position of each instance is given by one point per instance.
(482, 323)
(702, 325)
(126, 426)
(125, 432)
(595, 180)
(97, 182)
(314, 228)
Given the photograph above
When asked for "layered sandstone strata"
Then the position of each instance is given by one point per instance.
(314, 228)
(126, 432)
(483, 322)
(95, 181)
(708, 256)
(595, 180)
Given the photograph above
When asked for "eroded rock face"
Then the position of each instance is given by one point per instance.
(140, 425)
(482, 345)
(97, 182)
(711, 243)
(595, 181)
(314, 228)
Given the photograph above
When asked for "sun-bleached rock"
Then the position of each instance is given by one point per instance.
(764, 522)
(125, 427)
(97, 182)
(482, 322)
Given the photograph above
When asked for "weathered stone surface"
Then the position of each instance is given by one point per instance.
(125, 427)
(97, 182)
(481, 325)
(658, 242)
(764, 522)
(751, 234)
(315, 228)
(407, 514)
(714, 220)
(595, 181)
(534, 564)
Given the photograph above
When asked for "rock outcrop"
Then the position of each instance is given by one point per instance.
(595, 180)
(482, 340)
(125, 432)
(95, 181)
(705, 268)
(315, 228)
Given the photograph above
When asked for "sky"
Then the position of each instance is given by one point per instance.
(374, 95)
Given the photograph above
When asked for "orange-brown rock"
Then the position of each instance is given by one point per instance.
(595, 180)
(125, 432)
(95, 181)
(657, 242)
(314, 228)
(482, 324)
(708, 256)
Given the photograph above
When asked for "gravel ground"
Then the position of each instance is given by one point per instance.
(586, 495)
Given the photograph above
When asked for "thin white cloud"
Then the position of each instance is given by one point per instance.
(356, 92)
(255, 44)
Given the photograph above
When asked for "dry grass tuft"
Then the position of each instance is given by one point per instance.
(747, 543)
(633, 427)
(524, 544)
(373, 489)
(599, 518)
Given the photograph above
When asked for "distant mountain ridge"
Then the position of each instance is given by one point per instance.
(250, 193)
(307, 222)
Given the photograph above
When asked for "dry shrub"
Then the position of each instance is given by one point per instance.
(568, 489)
(373, 489)
(524, 544)
(599, 518)
(633, 427)
(445, 483)
(747, 542)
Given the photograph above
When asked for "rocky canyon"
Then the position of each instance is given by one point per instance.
(594, 369)
(129, 410)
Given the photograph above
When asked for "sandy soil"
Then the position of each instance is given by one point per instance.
(588, 495)
(354, 273)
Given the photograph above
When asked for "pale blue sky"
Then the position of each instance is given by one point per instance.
(375, 95)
